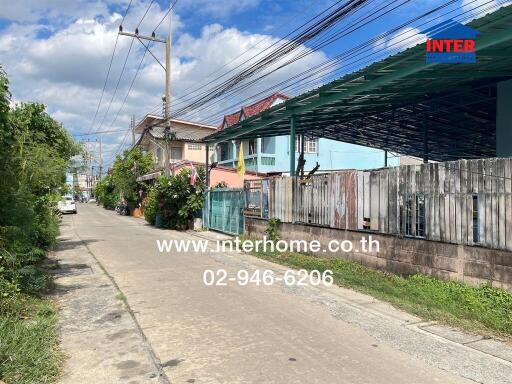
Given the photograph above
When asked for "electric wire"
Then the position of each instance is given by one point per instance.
(353, 52)
(242, 86)
(309, 51)
(145, 13)
(324, 24)
(166, 14)
(108, 70)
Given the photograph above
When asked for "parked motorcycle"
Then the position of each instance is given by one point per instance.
(122, 208)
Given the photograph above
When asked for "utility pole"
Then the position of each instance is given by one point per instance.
(133, 130)
(167, 96)
(101, 160)
(167, 109)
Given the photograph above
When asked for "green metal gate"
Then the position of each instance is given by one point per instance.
(225, 210)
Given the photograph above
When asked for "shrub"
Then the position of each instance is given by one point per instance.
(175, 199)
(272, 230)
(150, 205)
(110, 200)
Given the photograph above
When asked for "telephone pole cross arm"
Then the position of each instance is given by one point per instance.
(167, 97)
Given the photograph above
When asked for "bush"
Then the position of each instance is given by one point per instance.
(110, 200)
(175, 199)
(150, 206)
(34, 157)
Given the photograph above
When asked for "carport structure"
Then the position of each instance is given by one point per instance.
(403, 104)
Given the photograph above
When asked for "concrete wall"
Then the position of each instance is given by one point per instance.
(472, 265)
(221, 174)
(196, 152)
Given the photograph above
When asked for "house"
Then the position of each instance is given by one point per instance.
(185, 140)
(271, 154)
(187, 150)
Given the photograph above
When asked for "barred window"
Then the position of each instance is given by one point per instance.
(310, 145)
(195, 147)
(420, 215)
(476, 220)
(252, 147)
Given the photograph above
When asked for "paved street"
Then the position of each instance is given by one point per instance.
(176, 329)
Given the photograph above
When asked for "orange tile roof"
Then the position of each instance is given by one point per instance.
(252, 109)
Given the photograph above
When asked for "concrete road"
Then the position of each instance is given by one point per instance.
(195, 333)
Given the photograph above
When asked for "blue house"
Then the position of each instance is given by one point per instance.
(272, 154)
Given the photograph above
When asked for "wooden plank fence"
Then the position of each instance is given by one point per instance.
(463, 202)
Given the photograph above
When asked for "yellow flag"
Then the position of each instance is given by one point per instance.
(240, 168)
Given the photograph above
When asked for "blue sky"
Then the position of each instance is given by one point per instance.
(57, 51)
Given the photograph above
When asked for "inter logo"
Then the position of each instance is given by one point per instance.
(451, 43)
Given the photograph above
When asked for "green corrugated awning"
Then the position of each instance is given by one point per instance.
(392, 103)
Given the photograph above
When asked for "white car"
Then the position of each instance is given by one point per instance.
(67, 205)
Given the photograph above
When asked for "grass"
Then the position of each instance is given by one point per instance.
(484, 310)
(121, 297)
(28, 342)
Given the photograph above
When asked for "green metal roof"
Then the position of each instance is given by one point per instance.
(386, 104)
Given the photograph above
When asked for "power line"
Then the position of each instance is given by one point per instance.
(145, 13)
(357, 51)
(166, 14)
(129, 89)
(108, 71)
(102, 132)
(146, 50)
(309, 51)
(117, 84)
(125, 61)
(326, 22)
(201, 87)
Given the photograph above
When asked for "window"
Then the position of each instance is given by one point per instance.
(195, 147)
(408, 217)
(310, 145)
(176, 153)
(268, 145)
(224, 151)
(159, 156)
(252, 147)
(420, 216)
(412, 225)
(476, 220)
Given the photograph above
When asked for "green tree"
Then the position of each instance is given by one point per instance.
(127, 168)
(33, 161)
(175, 200)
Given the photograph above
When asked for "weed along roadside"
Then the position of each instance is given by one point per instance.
(29, 225)
(484, 309)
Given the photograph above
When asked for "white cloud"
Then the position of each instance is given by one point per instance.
(66, 70)
(34, 10)
(401, 40)
(229, 49)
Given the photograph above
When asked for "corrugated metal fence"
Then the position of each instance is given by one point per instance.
(463, 202)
